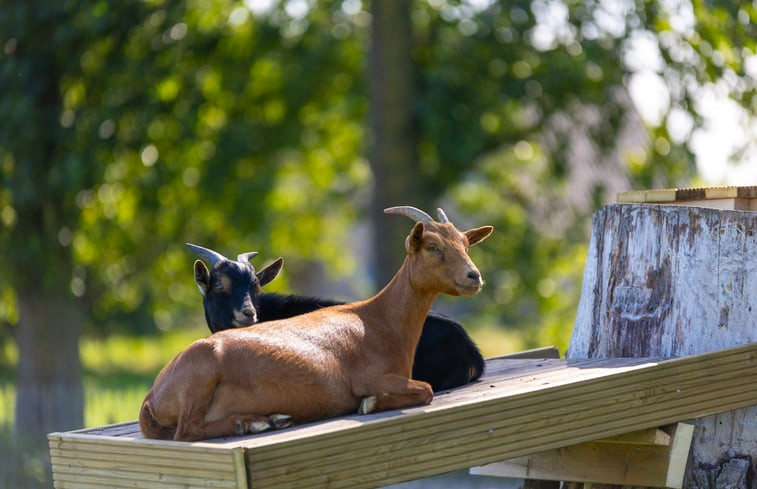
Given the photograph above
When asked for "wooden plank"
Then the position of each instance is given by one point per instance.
(116, 429)
(650, 436)
(201, 447)
(721, 192)
(631, 197)
(146, 479)
(123, 451)
(240, 468)
(660, 195)
(725, 197)
(618, 463)
(74, 458)
(81, 481)
(679, 454)
(544, 352)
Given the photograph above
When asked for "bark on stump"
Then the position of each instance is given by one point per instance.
(674, 281)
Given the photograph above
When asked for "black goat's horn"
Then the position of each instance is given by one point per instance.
(442, 216)
(411, 212)
(246, 257)
(211, 256)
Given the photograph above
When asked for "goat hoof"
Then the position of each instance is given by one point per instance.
(252, 426)
(281, 421)
(367, 405)
(258, 427)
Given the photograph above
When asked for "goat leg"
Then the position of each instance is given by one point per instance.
(395, 391)
(233, 425)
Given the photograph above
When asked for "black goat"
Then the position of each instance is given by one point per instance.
(445, 357)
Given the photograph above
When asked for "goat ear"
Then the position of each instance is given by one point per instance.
(202, 276)
(478, 234)
(414, 240)
(270, 272)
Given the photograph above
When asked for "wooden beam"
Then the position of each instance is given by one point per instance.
(543, 352)
(725, 197)
(650, 436)
(645, 464)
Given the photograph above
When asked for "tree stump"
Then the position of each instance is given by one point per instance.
(676, 281)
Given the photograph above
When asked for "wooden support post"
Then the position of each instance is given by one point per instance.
(652, 457)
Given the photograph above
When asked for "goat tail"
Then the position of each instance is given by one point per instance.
(150, 427)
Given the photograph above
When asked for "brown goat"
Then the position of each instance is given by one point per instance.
(326, 363)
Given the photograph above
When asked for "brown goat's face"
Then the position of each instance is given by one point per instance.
(439, 257)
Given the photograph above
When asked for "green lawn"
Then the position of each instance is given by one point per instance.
(118, 371)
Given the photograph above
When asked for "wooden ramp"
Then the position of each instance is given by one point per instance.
(520, 407)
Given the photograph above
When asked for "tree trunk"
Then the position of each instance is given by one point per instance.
(675, 281)
(393, 143)
(49, 394)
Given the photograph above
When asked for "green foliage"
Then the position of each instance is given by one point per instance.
(149, 124)
(175, 122)
(118, 370)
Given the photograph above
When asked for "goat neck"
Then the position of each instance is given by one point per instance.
(403, 306)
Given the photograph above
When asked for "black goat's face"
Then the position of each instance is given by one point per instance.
(229, 291)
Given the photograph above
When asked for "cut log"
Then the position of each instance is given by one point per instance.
(675, 281)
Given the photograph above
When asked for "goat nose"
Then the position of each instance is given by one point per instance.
(474, 275)
(248, 312)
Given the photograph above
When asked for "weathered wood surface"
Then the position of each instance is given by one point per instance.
(519, 407)
(676, 281)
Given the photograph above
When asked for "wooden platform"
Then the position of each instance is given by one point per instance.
(520, 407)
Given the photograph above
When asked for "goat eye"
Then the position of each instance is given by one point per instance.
(218, 287)
(432, 248)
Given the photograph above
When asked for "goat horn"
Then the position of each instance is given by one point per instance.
(211, 256)
(246, 257)
(442, 216)
(411, 212)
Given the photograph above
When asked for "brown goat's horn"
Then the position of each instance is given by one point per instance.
(411, 212)
(442, 216)
(246, 257)
(211, 256)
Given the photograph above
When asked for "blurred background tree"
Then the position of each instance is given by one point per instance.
(130, 129)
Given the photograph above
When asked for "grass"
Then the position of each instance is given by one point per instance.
(118, 371)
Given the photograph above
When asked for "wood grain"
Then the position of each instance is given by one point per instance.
(644, 464)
